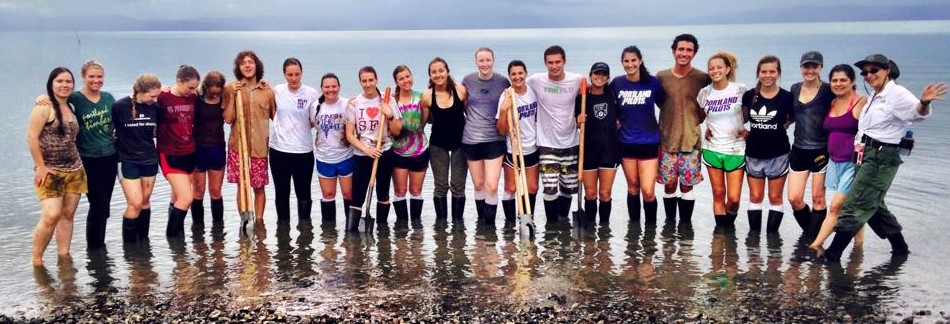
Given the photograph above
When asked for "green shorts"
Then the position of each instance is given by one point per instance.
(725, 162)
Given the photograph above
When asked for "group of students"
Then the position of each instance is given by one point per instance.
(76, 139)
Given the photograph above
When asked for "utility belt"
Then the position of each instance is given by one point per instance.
(870, 142)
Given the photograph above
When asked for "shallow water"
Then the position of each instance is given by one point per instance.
(463, 268)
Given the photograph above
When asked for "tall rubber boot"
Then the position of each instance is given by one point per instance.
(669, 206)
(479, 210)
(508, 206)
(458, 209)
(731, 219)
(353, 220)
(720, 219)
(95, 234)
(533, 202)
(347, 203)
(686, 210)
(441, 208)
(803, 218)
(774, 221)
(197, 214)
(604, 211)
(564, 207)
(382, 215)
(633, 208)
(130, 233)
(489, 212)
(898, 245)
(551, 211)
(402, 214)
(590, 213)
(649, 211)
(217, 210)
(755, 220)
(328, 211)
(145, 219)
(176, 222)
(817, 218)
(415, 211)
(304, 209)
(838, 244)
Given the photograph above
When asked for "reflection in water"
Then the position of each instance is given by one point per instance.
(100, 268)
(142, 277)
(253, 267)
(54, 295)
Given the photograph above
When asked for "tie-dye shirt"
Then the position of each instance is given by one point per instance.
(412, 142)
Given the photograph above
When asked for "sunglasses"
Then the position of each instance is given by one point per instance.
(872, 70)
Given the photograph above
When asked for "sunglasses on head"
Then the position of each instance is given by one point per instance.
(873, 70)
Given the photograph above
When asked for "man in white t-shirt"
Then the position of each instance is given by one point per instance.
(558, 138)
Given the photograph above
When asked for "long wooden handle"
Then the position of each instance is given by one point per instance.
(580, 155)
(379, 133)
(512, 141)
(517, 154)
(244, 174)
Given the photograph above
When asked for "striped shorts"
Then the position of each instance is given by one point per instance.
(558, 171)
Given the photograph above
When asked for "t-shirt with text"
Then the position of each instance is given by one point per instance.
(637, 102)
(364, 113)
(768, 137)
(176, 122)
(527, 106)
(556, 109)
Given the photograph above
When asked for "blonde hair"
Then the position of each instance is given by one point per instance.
(90, 64)
(730, 60)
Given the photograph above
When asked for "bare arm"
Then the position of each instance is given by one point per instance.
(38, 118)
(425, 103)
(227, 103)
(503, 111)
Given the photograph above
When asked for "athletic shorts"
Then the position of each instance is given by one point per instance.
(639, 151)
(413, 164)
(133, 171)
(210, 158)
(839, 176)
(530, 160)
(767, 168)
(484, 151)
(62, 183)
(340, 169)
(180, 164)
(721, 161)
(814, 161)
(685, 166)
(596, 159)
(258, 171)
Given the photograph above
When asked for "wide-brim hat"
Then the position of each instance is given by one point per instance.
(882, 61)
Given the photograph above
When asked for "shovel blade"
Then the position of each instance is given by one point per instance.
(366, 224)
(577, 218)
(247, 223)
(526, 226)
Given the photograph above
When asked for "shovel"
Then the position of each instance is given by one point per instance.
(579, 219)
(245, 201)
(367, 221)
(522, 201)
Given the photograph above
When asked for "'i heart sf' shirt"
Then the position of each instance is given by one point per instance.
(365, 115)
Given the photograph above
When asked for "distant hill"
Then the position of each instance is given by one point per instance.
(461, 19)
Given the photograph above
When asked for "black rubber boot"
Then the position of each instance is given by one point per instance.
(817, 218)
(755, 220)
(604, 211)
(480, 210)
(633, 208)
(415, 211)
(382, 214)
(458, 209)
(217, 210)
(346, 206)
(898, 245)
(533, 201)
(441, 208)
(304, 208)
(774, 221)
(328, 211)
(353, 220)
(95, 232)
(144, 220)
(176, 222)
(669, 206)
(590, 213)
(551, 211)
(686, 210)
(402, 214)
(489, 212)
(564, 208)
(719, 220)
(130, 232)
(731, 219)
(803, 218)
(508, 207)
(649, 211)
(197, 214)
(838, 244)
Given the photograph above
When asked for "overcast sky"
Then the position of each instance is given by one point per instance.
(439, 14)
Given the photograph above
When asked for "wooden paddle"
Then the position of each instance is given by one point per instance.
(579, 217)
(366, 222)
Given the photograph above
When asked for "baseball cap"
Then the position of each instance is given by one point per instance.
(812, 57)
(600, 67)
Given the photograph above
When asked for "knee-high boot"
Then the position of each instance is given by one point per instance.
(304, 208)
(217, 210)
(458, 209)
(774, 221)
(633, 208)
(328, 211)
(803, 217)
(604, 211)
(402, 214)
(838, 244)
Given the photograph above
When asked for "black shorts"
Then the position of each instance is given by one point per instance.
(484, 151)
(600, 158)
(814, 161)
(183, 164)
(639, 151)
(413, 164)
(210, 158)
(530, 160)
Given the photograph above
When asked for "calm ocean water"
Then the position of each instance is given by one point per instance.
(489, 265)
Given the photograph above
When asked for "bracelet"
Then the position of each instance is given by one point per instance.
(925, 103)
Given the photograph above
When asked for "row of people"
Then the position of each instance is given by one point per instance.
(467, 132)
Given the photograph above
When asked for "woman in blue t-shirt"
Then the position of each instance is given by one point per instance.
(638, 94)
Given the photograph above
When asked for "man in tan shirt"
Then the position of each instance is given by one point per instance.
(259, 107)
(680, 141)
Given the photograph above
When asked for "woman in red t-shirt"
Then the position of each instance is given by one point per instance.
(176, 144)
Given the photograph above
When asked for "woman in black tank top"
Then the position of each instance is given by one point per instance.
(445, 103)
